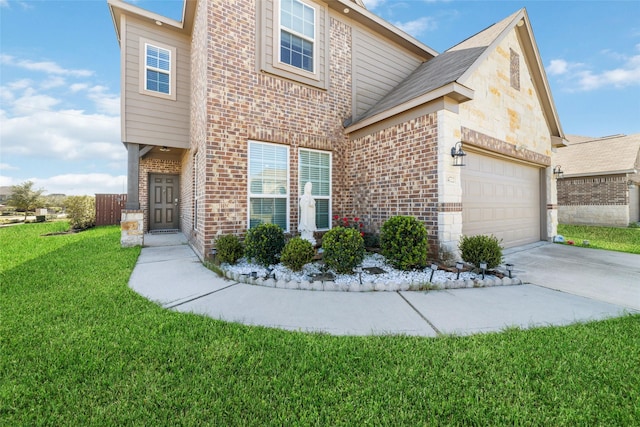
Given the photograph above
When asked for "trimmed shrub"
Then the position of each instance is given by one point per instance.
(296, 253)
(81, 211)
(343, 249)
(475, 249)
(403, 241)
(264, 244)
(229, 248)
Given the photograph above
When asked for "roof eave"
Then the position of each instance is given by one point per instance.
(454, 90)
(600, 173)
(119, 7)
(361, 15)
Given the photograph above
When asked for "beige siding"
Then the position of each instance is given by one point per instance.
(378, 66)
(149, 119)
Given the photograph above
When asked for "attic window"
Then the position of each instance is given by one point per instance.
(515, 70)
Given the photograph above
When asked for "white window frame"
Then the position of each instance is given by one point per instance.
(250, 195)
(277, 46)
(301, 184)
(144, 44)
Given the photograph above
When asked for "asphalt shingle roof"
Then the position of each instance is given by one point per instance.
(599, 155)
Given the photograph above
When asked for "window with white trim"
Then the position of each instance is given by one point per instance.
(268, 184)
(157, 76)
(315, 167)
(297, 34)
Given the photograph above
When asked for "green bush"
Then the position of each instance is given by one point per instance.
(229, 248)
(81, 211)
(264, 244)
(343, 249)
(296, 253)
(403, 241)
(476, 249)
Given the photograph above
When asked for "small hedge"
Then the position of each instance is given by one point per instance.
(476, 249)
(81, 211)
(296, 253)
(229, 248)
(343, 249)
(403, 241)
(264, 244)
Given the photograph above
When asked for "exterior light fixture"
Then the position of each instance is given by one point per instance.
(270, 273)
(165, 149)
(557, 172)
(509, 269)
(214, 252)
(358, 270)
(483, 267)
(434, 267)
(459, 266)
(458, 154)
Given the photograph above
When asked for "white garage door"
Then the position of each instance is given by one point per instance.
(502, 198)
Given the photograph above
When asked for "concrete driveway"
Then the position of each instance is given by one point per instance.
(607, 276)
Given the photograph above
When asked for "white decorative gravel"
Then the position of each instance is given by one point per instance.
(392, 280)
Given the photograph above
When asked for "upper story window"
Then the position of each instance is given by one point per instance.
(297, 34)
(157, 69)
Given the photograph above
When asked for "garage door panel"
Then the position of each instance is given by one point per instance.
(501, 198)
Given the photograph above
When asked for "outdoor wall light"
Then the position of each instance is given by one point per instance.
(458, 154)
(459, 266)
(165, 149)
(483, 267)
(434, 267)
(509, 269)
(557, 172)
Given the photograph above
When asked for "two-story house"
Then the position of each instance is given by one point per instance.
(229, 112)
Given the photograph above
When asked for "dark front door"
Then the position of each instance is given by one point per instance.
(164, 202)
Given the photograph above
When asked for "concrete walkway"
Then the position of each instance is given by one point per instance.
(169, 273)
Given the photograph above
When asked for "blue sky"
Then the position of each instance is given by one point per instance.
(59, 76)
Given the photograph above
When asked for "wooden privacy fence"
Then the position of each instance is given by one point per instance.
(109, 207)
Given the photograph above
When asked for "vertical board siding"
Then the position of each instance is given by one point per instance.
(109, 208)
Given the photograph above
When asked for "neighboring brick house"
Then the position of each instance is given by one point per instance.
(601, 180)
(241, 103)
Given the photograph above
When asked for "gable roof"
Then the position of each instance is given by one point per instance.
(451, 71)
(599, 156)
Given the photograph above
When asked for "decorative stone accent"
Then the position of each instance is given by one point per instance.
(368, 286)
(495, 145)
(132, 228)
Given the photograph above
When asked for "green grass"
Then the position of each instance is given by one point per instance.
(78, 347)
(610, 238)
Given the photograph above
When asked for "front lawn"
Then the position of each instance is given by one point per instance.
(610, 238)
(78, 347)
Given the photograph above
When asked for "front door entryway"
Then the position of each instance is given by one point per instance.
(164, 202)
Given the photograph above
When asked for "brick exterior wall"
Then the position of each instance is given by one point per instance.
(596, 190)
(242, 104)
(395, 172)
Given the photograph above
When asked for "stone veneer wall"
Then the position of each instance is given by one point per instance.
(395, 172)
(149, 166)
(594, 200)
(244, 104)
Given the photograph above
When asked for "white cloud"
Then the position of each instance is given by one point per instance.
(48, 67)
(77, 87)
(418, 26)
(65, 135)
(31, 101)
(8, 167)
(52, 82)
(82, 184)
(557, 67)
(105, 102)
(582, 77)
